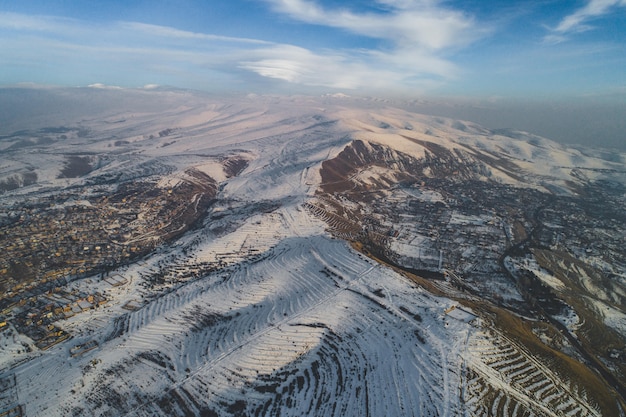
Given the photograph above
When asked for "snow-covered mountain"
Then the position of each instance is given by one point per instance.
(172, 253)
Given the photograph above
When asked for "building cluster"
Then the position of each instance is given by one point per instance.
(63, 237)
(35, 314)
(8, 393)
(70, 235)
(59, 237)
(467, 229)
(57, 240)
(439, 225)
(590, 227)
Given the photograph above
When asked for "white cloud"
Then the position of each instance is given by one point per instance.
(172, 33)
(576, 22)
(397, 71)
(17, 21)
(424, 24)
(301, 66)
(419, 34)
(74, 52)
(102, 86)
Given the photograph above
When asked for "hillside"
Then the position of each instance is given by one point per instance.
(183, 254)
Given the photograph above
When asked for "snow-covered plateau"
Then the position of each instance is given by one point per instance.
(171, 253)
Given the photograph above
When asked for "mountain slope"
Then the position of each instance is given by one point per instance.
(306, 256)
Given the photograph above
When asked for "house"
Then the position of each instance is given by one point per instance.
(460, 314)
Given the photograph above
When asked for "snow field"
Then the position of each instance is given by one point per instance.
(260, 312)
(301, 333)
(612, 316)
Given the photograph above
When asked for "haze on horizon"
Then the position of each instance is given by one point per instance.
(549, 67)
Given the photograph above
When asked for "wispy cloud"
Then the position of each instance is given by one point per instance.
(330, 69)
(72, 51)
(172, 33)
(371, 69)
(577, 21)
(22, 22)
(417, 34)
(421, 24)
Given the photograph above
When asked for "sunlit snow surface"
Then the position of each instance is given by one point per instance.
(280, 334)
(290, 321)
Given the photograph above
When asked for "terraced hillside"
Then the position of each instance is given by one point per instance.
(307, 257)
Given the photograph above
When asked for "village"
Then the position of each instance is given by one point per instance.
(59, 238)
(441, 227)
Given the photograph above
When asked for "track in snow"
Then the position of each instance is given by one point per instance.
(304, 332)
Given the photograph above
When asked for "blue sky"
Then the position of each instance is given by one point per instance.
(542, 48)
